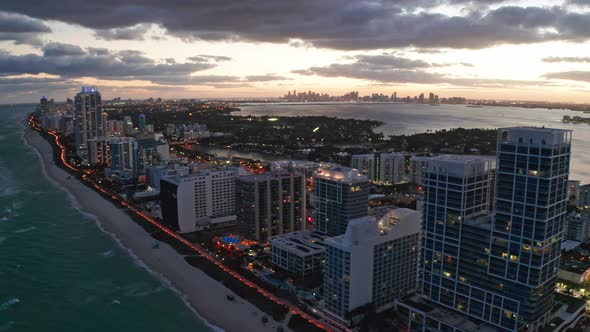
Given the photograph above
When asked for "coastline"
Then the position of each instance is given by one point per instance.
(205, 296)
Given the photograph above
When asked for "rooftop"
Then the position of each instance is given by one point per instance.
(300, 243)
(340, 173)
(449, 317)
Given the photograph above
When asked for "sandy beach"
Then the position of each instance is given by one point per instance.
(205, 295)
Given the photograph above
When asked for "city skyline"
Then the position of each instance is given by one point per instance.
(526, 50)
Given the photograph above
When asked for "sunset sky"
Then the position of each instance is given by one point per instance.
(494, 49)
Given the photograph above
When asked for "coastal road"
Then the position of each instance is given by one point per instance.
(328, 324)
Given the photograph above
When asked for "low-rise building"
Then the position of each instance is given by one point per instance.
(574, 271)
(300, 253)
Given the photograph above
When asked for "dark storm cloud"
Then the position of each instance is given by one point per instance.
(575, 75)
(59, 49)
(21, 29)
(339, 24)
(136, 32)
(556, 59)
(72, 61)
(372, 68)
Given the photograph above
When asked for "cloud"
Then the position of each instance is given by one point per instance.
(555, 59)
(337, 24)
(72, 61)
(575, 75)
(136, 32)
(21, 29)
(396, 70)
(59, 49)
(205, 57)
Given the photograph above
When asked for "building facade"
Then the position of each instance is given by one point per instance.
(123, 154)
(493, 273)
(583, 200)
(300, 253)
(199, 200)
(270, 204)
(374, 262)
(340, 195)
(88, 118)
(380, 167)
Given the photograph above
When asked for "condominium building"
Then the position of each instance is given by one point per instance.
(159, 172)
(374, 262)
(123, 154)
(493, 273)
(583, 199)
(380, 167)
(99, 152)
(417, 166)
(199, 200)
(573, 190)
(300, 253)
(88, 118)
(270, 204)
(340, 195)
(577, 226)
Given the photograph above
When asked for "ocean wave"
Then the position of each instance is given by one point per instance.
(108, 253)
(25, 230)
(3, 238)
(9, 303)
(76, 205)
(4, 218)
(6, 326)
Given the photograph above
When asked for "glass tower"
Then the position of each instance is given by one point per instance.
(496, 271)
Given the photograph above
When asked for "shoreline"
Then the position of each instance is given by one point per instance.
(203, 295)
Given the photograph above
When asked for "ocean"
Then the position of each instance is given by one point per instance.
(58, 270)
(407, 119)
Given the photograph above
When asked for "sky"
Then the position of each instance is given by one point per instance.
(488, 49)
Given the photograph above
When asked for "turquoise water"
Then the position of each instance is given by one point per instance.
(58, 271)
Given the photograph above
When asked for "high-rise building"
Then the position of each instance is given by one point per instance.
(157, 173)
(577, 226)
(417, 166)
(88, 116)
(199, 200)
(123, 154)
(374, 262)
(479, 272)
(270, 204)
(340, 195)
(128, 126)
(583, 199)
(380, 167)
(573, 189)
(141, 122)
(99, 151)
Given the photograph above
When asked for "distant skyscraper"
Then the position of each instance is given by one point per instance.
(373, 262)
(498, 273)
(141, 122)
(270, 204)
(128, 126)
(340, 195)
(88, 115)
